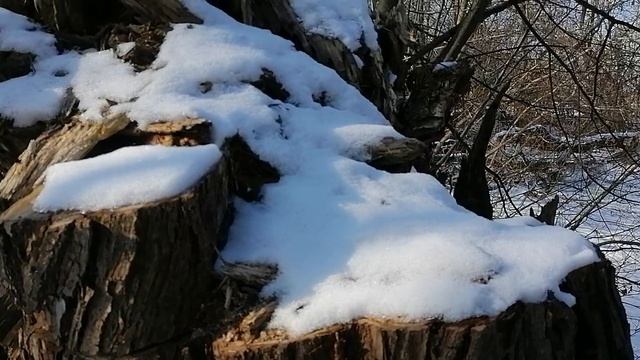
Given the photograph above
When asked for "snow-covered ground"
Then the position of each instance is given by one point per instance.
(349, 240)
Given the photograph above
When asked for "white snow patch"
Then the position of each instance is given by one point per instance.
(39, 95)
(127, 176)
(19, 34)
(351, 242)
(101, 78)
(445, 65)
(348, 20)
(227, 54)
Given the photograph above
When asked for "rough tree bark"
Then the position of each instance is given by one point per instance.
(85, 18)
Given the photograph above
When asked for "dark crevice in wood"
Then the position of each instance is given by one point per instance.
(250, 173)
(147, 38)
(194, 132)
(270, 86)
(13, 141)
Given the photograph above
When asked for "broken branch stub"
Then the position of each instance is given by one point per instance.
(396, 155)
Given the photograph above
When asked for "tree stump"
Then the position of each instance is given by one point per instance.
(595, 329)
(115, 283)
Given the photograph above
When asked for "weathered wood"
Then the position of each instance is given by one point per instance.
(395, 155)
(76, 16)
(115, 283)
(70, 142)
(13, 141)
(10, 319)
(392, 26)
(250, 173)
(521, 332)
(167, 11)
(602, 326)
(434, 91)
(595, 329)
(251, 274)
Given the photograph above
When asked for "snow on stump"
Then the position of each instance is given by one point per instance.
(594, 328)
(95, 282)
